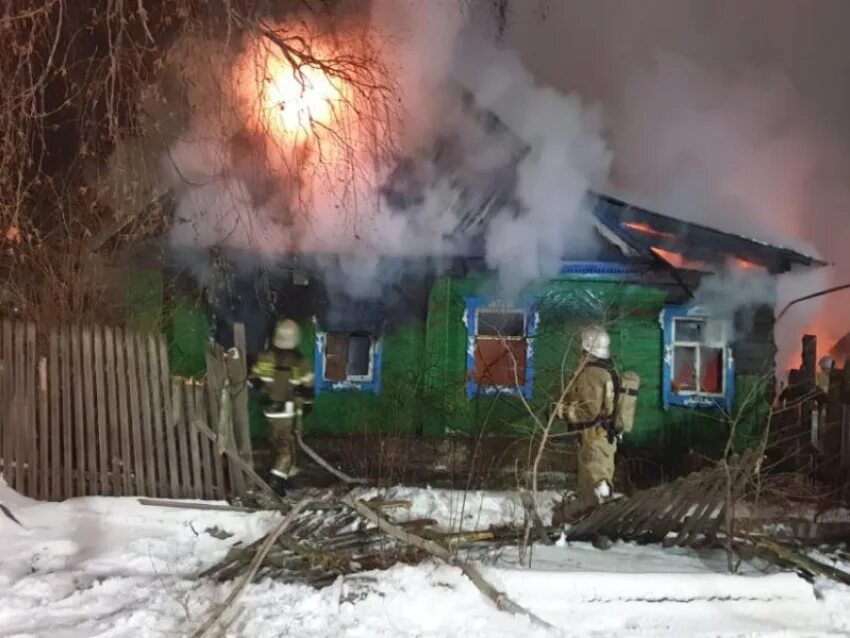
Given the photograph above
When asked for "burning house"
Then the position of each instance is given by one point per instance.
(437, 344)
(444, 297)
(444, 352)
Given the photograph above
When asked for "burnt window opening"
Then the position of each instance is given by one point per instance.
(699, 357)
(349, 356)
(501, 348)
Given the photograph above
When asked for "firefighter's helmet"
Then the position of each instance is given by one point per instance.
(595, 341)
(287, 335)
(827, 363)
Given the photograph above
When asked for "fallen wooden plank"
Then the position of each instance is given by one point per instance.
(500, 599)
(217, 507)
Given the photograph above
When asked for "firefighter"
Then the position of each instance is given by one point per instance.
(590, 407)
(288, 386)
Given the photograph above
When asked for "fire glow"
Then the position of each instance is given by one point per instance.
(677, 260)
(648, 230)
(744, 264)
(296, 100)
(288, 100)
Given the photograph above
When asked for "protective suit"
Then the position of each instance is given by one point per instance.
(289, 390)
(590, 407)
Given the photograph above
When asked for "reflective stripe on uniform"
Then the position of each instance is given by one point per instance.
(279, 415)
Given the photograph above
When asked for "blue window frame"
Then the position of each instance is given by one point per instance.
(500, 347)
(348, 362)
(698, 367)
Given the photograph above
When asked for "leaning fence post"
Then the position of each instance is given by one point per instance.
(237, 372)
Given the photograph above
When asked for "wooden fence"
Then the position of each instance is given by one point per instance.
(94, 410)
(810, 428)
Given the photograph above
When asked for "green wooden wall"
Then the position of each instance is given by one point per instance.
(424, 367)
(396, 409)
(424, 371)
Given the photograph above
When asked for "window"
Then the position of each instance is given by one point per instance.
(348, 361)
(500, 351)
(698, 366)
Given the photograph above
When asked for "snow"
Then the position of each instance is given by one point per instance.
(113, 567)
(456, 510)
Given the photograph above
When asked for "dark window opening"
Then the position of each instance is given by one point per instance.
(495, 323)
(348, 356)
(359, 355)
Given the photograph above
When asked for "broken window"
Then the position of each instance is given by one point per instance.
(501, 348)
(349, 356)
(699, 357)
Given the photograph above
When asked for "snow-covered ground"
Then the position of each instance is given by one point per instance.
(112, 567)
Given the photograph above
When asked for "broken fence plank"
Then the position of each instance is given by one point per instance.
(238, 373)
(500, 599)
(235, 458)
(215, 620)
(216, 507)
(710, 499)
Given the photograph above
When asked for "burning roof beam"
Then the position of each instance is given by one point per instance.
(647, 232)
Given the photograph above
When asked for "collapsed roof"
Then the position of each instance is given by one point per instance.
(486, 190)
(640, 232)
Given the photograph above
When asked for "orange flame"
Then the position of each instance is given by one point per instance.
(674, 259)
(678, 260)
(647, 229)
(746, 265)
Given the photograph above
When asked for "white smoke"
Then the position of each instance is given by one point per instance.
(726, 113)
(734, 153)
(244, 203)
(729, 295)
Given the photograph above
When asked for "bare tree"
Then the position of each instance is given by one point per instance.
(83, 82)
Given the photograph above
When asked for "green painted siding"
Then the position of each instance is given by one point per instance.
(630, 312)
(394, 409)
(424, 372)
